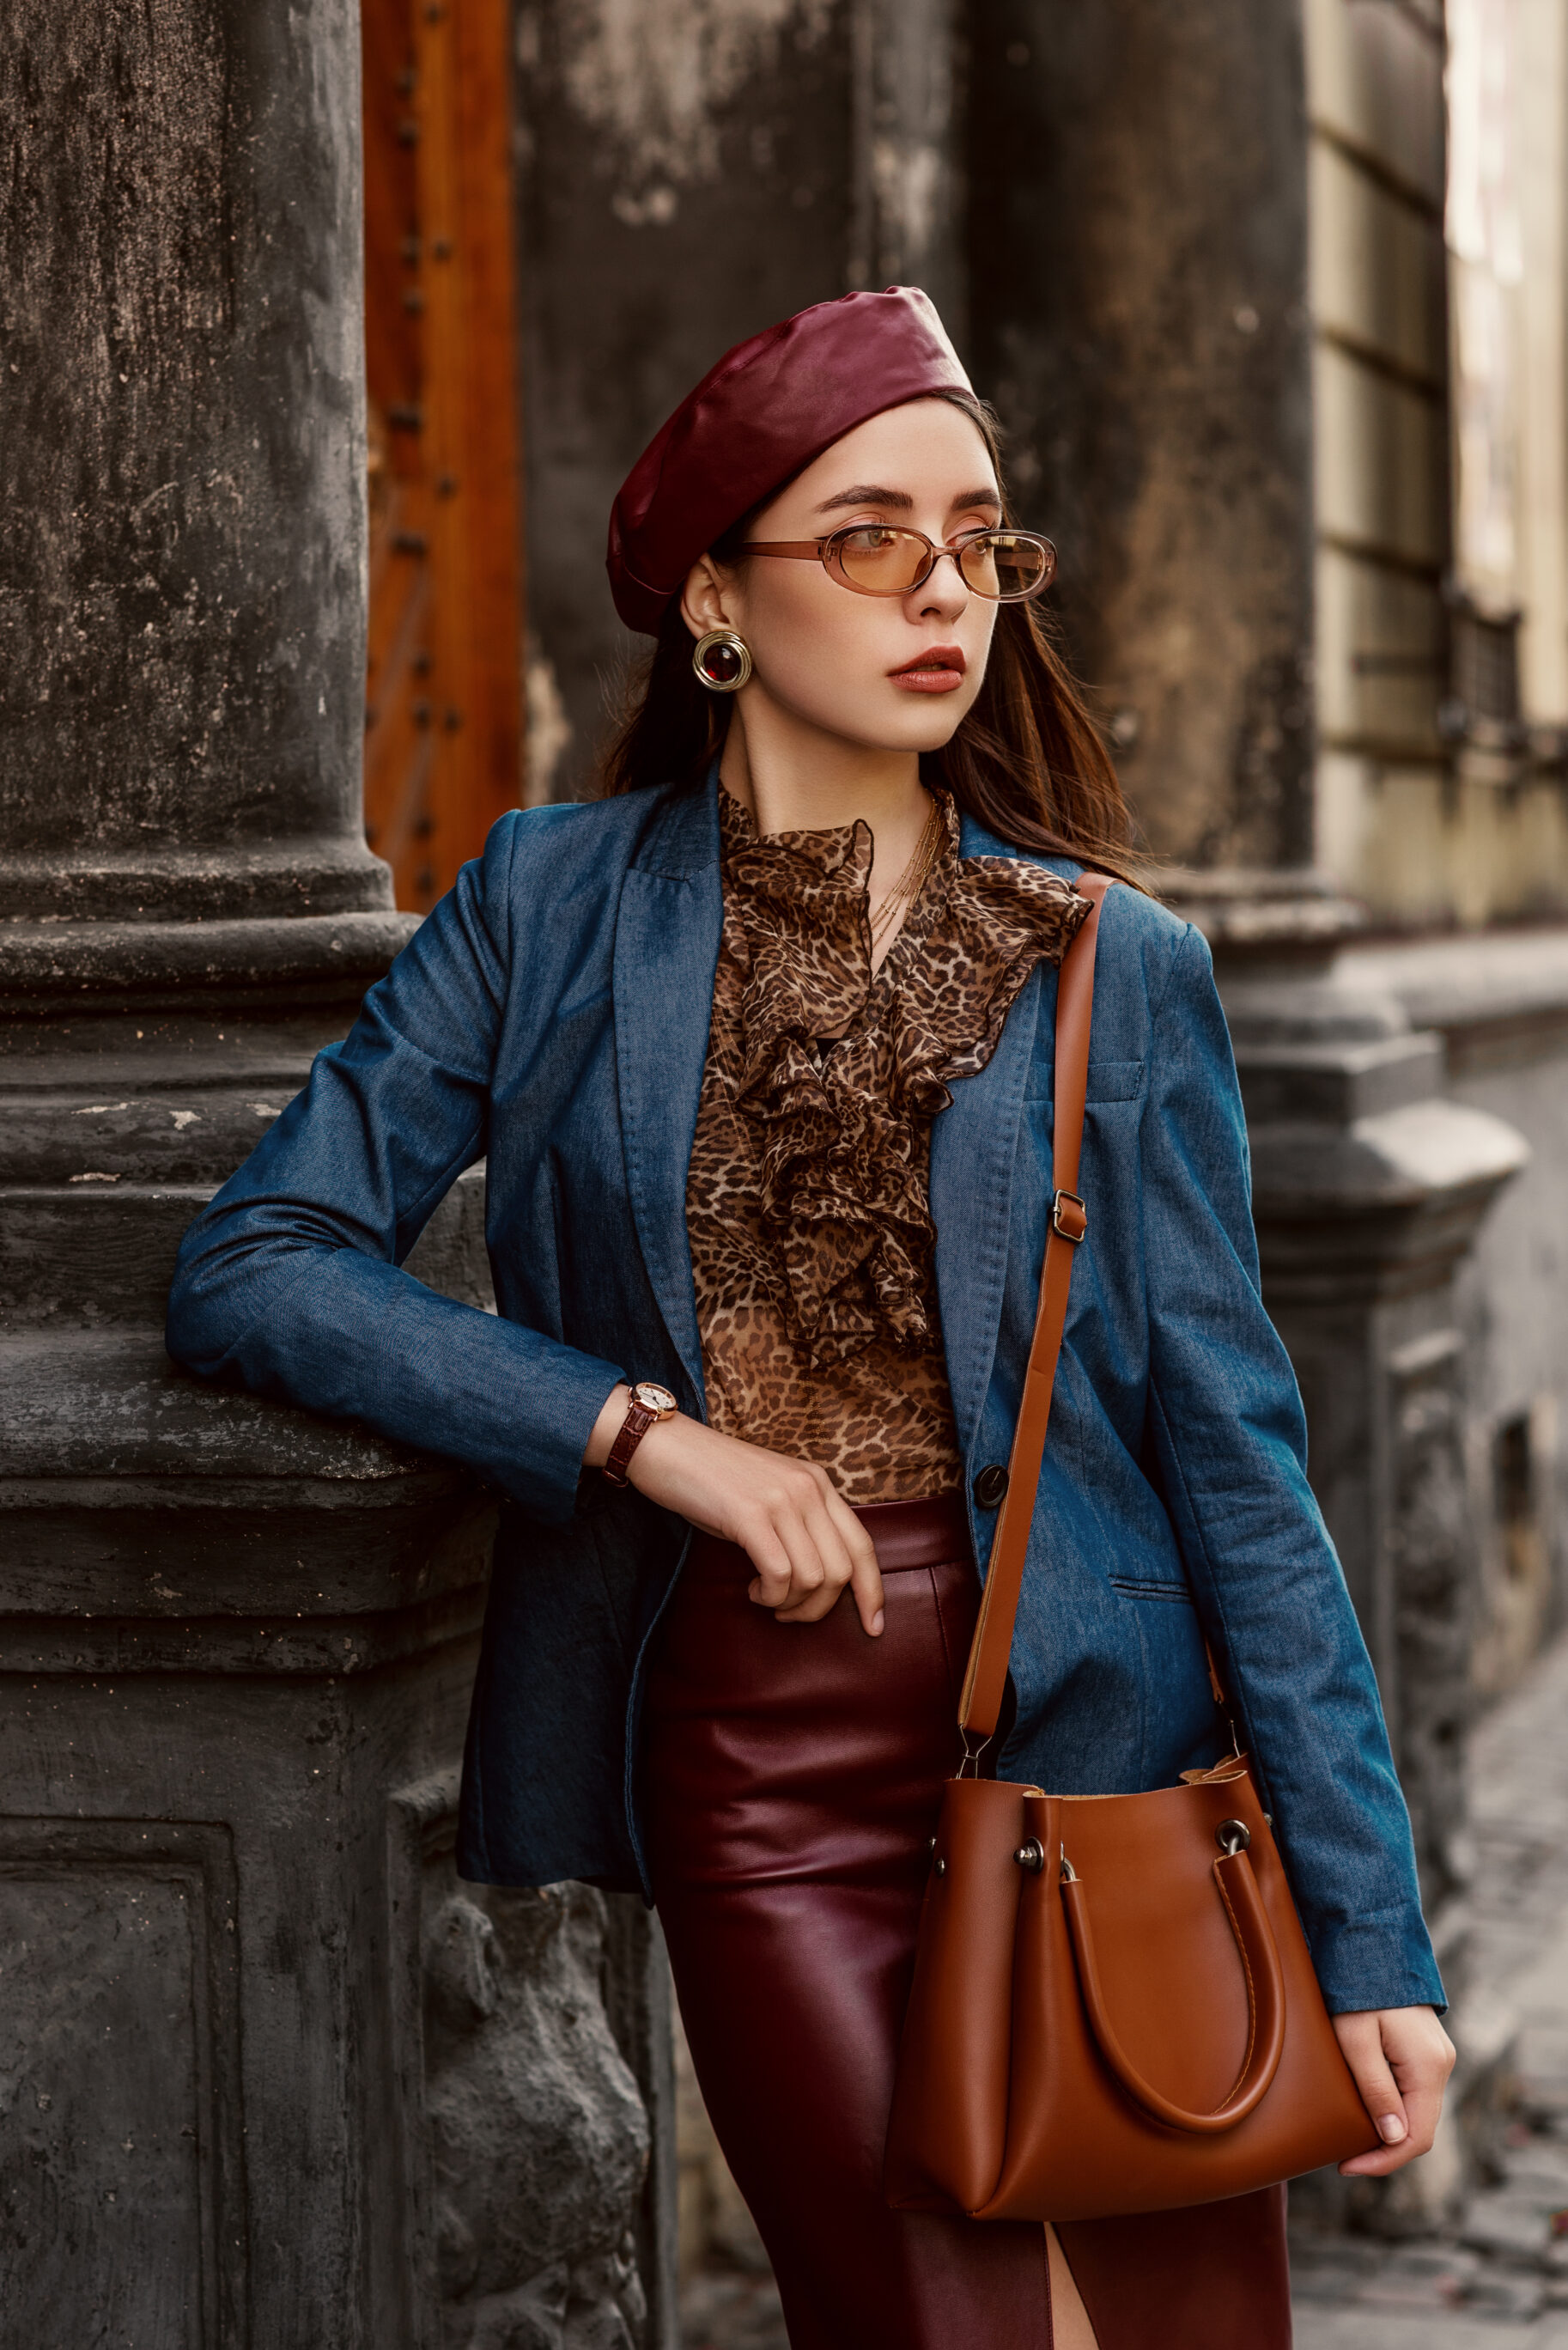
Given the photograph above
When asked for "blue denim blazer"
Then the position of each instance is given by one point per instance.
(551, 1015)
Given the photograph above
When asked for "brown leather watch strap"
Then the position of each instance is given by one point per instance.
(986, 1679)
(639, 1417)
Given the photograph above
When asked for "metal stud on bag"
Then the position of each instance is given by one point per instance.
(722, 660)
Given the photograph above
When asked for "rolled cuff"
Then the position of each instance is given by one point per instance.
(1383, 1960)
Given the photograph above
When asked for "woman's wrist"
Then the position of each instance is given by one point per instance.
(607, 1427)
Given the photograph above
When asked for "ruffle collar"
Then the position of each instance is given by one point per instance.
(837, 1072)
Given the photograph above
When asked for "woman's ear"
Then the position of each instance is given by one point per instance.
(704, 598)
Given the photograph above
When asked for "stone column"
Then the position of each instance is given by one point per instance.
(1137, 255)
(269, 2065)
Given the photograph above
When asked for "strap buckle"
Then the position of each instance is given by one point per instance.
(1069, 1216)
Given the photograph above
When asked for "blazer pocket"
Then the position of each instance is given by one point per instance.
(1108, 1081)
(1137, 1587)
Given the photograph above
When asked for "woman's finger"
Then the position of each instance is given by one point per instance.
(806, 1571)
(848, 1556)
(823, 1572)
(770, 1587)
(867, 1582)
(1420, 2056)
(1362, 2043)
(1423, 2110)
(865, 1574)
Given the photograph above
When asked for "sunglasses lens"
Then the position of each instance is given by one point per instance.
(1008, 566)
(881, 562)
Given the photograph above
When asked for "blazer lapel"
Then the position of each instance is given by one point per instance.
(974, 1152)
(975, 1147)
(666, 952)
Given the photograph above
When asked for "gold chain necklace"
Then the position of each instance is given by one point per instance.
(913, 877)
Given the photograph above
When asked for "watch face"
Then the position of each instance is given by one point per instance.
(653, 1397)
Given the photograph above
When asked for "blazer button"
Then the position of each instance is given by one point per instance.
(989, 1486)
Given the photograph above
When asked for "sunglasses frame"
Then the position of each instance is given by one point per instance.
(829, 552)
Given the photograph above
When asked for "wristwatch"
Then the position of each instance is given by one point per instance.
(649, 1404)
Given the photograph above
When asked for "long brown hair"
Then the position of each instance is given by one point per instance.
(1027, 760)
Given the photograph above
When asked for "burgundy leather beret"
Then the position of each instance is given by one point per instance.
(755, 420)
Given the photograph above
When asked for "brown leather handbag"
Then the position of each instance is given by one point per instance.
(1114, 2009)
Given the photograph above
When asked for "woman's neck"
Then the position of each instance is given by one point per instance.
(791, 779)
(795, 781)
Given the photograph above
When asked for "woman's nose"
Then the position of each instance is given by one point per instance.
(945, 594)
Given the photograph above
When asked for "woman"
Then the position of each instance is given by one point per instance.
(759, 1051)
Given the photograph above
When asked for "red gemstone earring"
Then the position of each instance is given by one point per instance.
(722, 660)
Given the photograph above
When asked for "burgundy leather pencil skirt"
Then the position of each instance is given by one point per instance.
(793, 1775)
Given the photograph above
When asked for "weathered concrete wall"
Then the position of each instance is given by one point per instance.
(688, 173)
(1138, 261)
(682, 184)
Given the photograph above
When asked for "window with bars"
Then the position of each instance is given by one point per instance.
(1483, 677)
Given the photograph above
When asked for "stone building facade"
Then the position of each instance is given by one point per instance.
(1287, 385)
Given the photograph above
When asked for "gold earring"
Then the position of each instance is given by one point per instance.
(722, 660)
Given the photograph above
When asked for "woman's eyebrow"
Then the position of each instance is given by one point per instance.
(869, 493)
(873, 493)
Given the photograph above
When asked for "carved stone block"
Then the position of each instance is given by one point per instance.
(121, 2172)
(525, 2136)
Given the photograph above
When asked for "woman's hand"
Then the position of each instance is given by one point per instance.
(1401, 2058)
(804, 1542)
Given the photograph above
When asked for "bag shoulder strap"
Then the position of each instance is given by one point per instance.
(992, 1648)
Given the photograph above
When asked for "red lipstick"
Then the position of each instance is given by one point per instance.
(938, 669)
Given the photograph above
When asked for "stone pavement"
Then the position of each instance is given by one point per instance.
(1496, 2277)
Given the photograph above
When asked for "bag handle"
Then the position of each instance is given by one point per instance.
(1238, 1889)
(979, 1706)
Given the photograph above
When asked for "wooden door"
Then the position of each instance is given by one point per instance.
(443, 719)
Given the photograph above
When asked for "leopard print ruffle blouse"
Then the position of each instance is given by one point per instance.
(806, 1202)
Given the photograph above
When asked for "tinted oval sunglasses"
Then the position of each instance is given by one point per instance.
(879, 559)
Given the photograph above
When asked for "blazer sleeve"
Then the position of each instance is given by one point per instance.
(290, 1282)
(1230, 1437)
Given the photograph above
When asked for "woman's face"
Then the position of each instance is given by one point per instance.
(890, 673)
